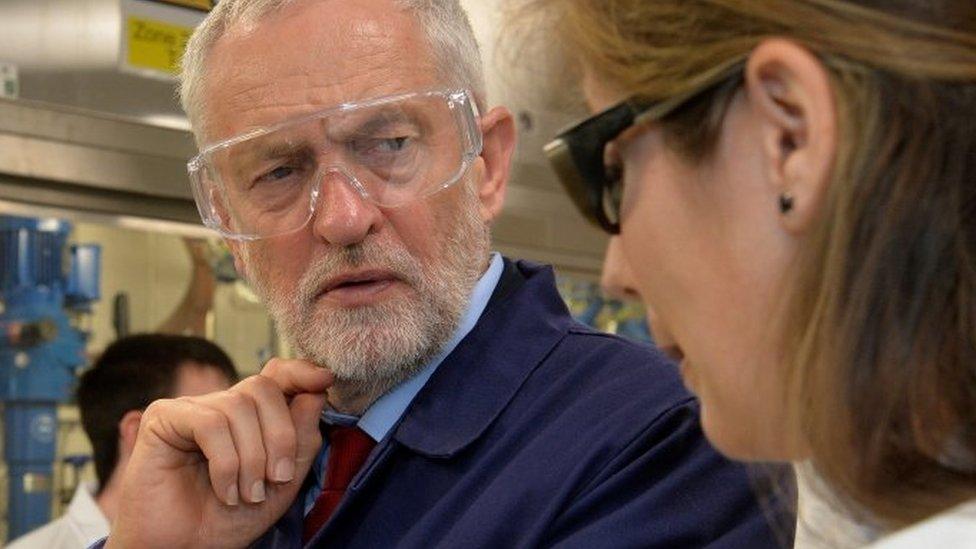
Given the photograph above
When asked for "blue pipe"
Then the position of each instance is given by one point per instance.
(40, 352)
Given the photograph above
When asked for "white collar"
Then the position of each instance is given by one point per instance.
(85, 515)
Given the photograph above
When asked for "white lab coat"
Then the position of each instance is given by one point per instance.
(81, 525)
(952, 529)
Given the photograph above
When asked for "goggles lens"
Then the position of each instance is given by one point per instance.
(390, 150)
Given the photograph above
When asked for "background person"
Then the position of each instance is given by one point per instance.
(792, 182)
(112, 395)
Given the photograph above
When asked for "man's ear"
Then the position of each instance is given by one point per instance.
(492, 169)
(789, 91)
(128, 430)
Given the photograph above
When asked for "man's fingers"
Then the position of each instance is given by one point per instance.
(277, 427)
(305, 384)
(306, 411)
(187, 426)
(297, 376)
(250, 433)
(241, 415)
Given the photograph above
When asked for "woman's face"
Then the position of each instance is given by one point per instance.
(617, 281)
(704, 247)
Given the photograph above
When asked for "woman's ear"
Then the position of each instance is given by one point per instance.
(789, 92)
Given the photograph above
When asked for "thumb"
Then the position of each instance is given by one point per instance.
(295, 376)
(306, 412)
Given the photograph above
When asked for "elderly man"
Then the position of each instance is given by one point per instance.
(349, 162)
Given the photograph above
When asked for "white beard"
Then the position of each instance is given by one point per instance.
(371, 349)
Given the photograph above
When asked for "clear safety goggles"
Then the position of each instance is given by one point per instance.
(391, 150)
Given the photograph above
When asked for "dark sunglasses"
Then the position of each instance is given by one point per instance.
(578, 154)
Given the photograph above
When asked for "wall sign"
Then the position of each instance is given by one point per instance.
(205, 5)
(155, 45)
(154, 35)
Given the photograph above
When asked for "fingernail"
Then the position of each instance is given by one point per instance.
(232, 497)
(284, 470)
(257, 491)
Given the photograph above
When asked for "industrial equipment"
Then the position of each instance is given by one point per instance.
(46, 290)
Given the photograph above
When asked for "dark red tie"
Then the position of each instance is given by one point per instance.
(348, 449)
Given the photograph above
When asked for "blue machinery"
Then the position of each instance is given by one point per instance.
(46, 287)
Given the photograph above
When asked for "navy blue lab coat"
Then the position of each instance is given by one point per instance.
(538, 431)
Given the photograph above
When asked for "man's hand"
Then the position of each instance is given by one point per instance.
(218, 470)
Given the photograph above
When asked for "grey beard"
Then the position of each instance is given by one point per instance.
(371, 349)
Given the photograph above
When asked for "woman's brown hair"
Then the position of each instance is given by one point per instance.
(880, 336)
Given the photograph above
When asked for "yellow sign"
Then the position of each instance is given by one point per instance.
(205, 5)
(155, 45)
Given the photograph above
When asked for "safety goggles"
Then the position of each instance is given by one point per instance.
(392, 150)
(578, 154)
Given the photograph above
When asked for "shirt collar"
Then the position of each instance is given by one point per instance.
(85, 513)
(383, 414)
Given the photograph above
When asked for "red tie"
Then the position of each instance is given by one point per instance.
(348, 449)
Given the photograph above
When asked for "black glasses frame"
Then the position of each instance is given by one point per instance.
(578, 154)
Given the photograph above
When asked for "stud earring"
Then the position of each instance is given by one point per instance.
(785, 203)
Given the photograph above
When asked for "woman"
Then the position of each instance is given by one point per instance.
(794, 187)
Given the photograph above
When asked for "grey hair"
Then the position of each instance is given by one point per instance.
(445, 23)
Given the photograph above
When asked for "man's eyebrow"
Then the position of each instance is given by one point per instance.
(263, 151)
(371, 124)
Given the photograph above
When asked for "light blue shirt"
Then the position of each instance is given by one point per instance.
(383, 414)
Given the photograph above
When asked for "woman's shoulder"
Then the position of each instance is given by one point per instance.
(953, 529)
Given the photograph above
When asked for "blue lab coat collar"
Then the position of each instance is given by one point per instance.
(523, 321)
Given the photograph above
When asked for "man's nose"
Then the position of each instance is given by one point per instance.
(343, 216)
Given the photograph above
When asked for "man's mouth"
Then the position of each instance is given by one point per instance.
(358, 287)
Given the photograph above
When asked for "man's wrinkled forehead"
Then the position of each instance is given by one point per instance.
(312, 55)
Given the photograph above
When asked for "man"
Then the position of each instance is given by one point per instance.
(355, 180)
(111, 396)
